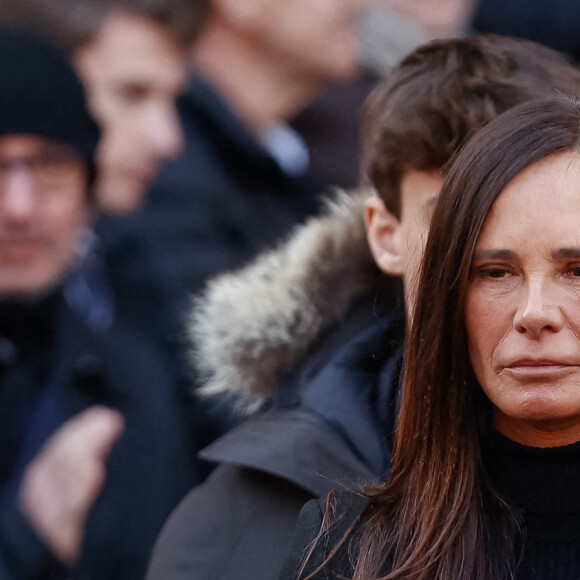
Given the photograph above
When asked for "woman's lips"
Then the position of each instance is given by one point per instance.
(538, 367)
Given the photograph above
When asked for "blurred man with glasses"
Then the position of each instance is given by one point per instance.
(94, 447)
(42, 208)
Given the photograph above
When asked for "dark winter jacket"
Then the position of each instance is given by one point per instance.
(150, 466)
(314, 319)
(348, 508)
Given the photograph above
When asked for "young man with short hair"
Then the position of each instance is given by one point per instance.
(312, 326)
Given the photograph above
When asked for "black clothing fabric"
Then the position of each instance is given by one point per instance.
(331, 425)
(349, 506)
(90, 292)
(149, 469)
(223, 201)
(541, 485)
(550, 22)
(330, 127)
(26, 331)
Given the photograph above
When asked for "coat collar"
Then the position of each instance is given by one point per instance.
(253, 325)
(340, 419)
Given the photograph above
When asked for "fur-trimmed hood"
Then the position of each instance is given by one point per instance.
(256, 322)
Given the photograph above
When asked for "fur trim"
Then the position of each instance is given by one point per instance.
(256, 322)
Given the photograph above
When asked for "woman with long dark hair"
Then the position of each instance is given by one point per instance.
(485, 482)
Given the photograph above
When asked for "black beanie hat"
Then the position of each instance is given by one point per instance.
(41, 95)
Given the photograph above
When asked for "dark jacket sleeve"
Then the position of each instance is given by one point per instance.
(23, 556)
(314, 549)
(307, 529)
(238, 524)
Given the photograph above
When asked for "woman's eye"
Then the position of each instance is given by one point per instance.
(575, 271)
(494, 272)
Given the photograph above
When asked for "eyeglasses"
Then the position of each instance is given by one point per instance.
(51, 170)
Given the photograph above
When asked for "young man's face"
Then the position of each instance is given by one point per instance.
(43, 209)
(133, 71)
(398, 244)
(318, 38)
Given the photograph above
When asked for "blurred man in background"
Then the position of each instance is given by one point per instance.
(130, 56)
(239, 185)
(96, 448)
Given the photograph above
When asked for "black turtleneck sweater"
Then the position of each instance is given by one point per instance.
(544, 484)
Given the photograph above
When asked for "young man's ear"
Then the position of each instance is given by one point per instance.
(384, 235)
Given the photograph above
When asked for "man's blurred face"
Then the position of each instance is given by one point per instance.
(133, 71)
(43, 208)
(318, 37)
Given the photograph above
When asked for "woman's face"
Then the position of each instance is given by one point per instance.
(523, 305)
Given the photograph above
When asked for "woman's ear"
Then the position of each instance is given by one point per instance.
(384, 235)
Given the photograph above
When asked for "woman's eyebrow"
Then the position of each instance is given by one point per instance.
(563, 253)
(495, 255)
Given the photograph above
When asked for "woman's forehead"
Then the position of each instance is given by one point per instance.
(545, 196)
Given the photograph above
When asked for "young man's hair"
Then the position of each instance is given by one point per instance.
(445, 91)
(74, 23)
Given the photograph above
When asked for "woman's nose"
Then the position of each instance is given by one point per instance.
(538, 312)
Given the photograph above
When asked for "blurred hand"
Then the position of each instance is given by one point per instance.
(62, 482)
